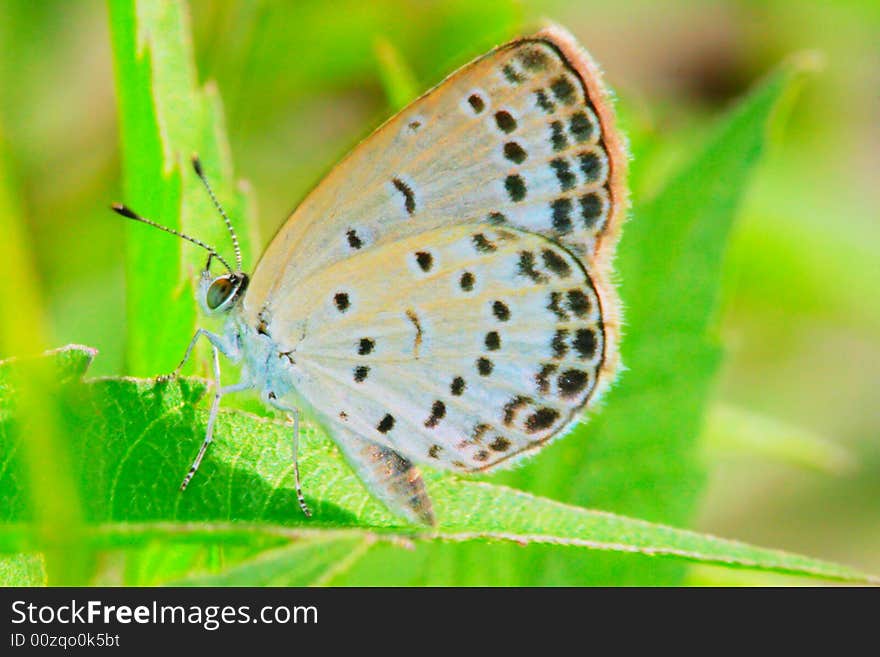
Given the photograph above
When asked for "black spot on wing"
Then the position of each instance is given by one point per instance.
(541, 419)
(526, 267)
(342, 301)
(561, 209)
(500, 444)
(544, 101)
(478, 432)
(555, 306)
(585, 343)
(360, 373)
(580, 127)
(556, 263)
(514, 152)
(505, 121)
(409, 199)
(386, 424)
(542, 378)
(466, 282)
(477, 104)
(559, 343)
(533, 59)
(563, 90)
(365, 346)
(513, 407)
(457, 386)
(483, 244)
(438, 412)
(492, 341)
(578, 302)
(512, 75)
(424, 260)
(501, 311)
(591, 208)
(516, 187)
(572, 382)
(557, 136)
(354, 241)
(484, 366)
(591, 166)
(564, 174)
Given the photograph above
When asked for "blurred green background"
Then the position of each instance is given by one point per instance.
(300, 83)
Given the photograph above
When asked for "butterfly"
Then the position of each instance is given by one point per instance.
(444, 296)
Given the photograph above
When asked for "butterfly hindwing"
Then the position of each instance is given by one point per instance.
(461, 348)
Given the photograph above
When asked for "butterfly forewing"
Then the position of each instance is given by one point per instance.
(521, 137)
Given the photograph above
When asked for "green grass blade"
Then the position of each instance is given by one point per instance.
(732, 431)
(397, 78)
(39, 462)
(165, 117)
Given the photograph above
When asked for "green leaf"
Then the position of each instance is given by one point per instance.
(131, 440)
(22, 570)
(165, 117)
(306, 562)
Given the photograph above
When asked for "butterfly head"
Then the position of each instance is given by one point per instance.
(217, 294)
(220, 294)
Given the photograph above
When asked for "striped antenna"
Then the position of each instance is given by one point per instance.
(197, 167)
(128, 213)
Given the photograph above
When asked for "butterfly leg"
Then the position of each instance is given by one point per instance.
(215, 409)
(217, 342)
(271, 399)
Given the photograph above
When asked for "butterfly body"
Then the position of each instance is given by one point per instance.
(443, 297)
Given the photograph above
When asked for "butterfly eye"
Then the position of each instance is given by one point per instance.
(220, 291)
